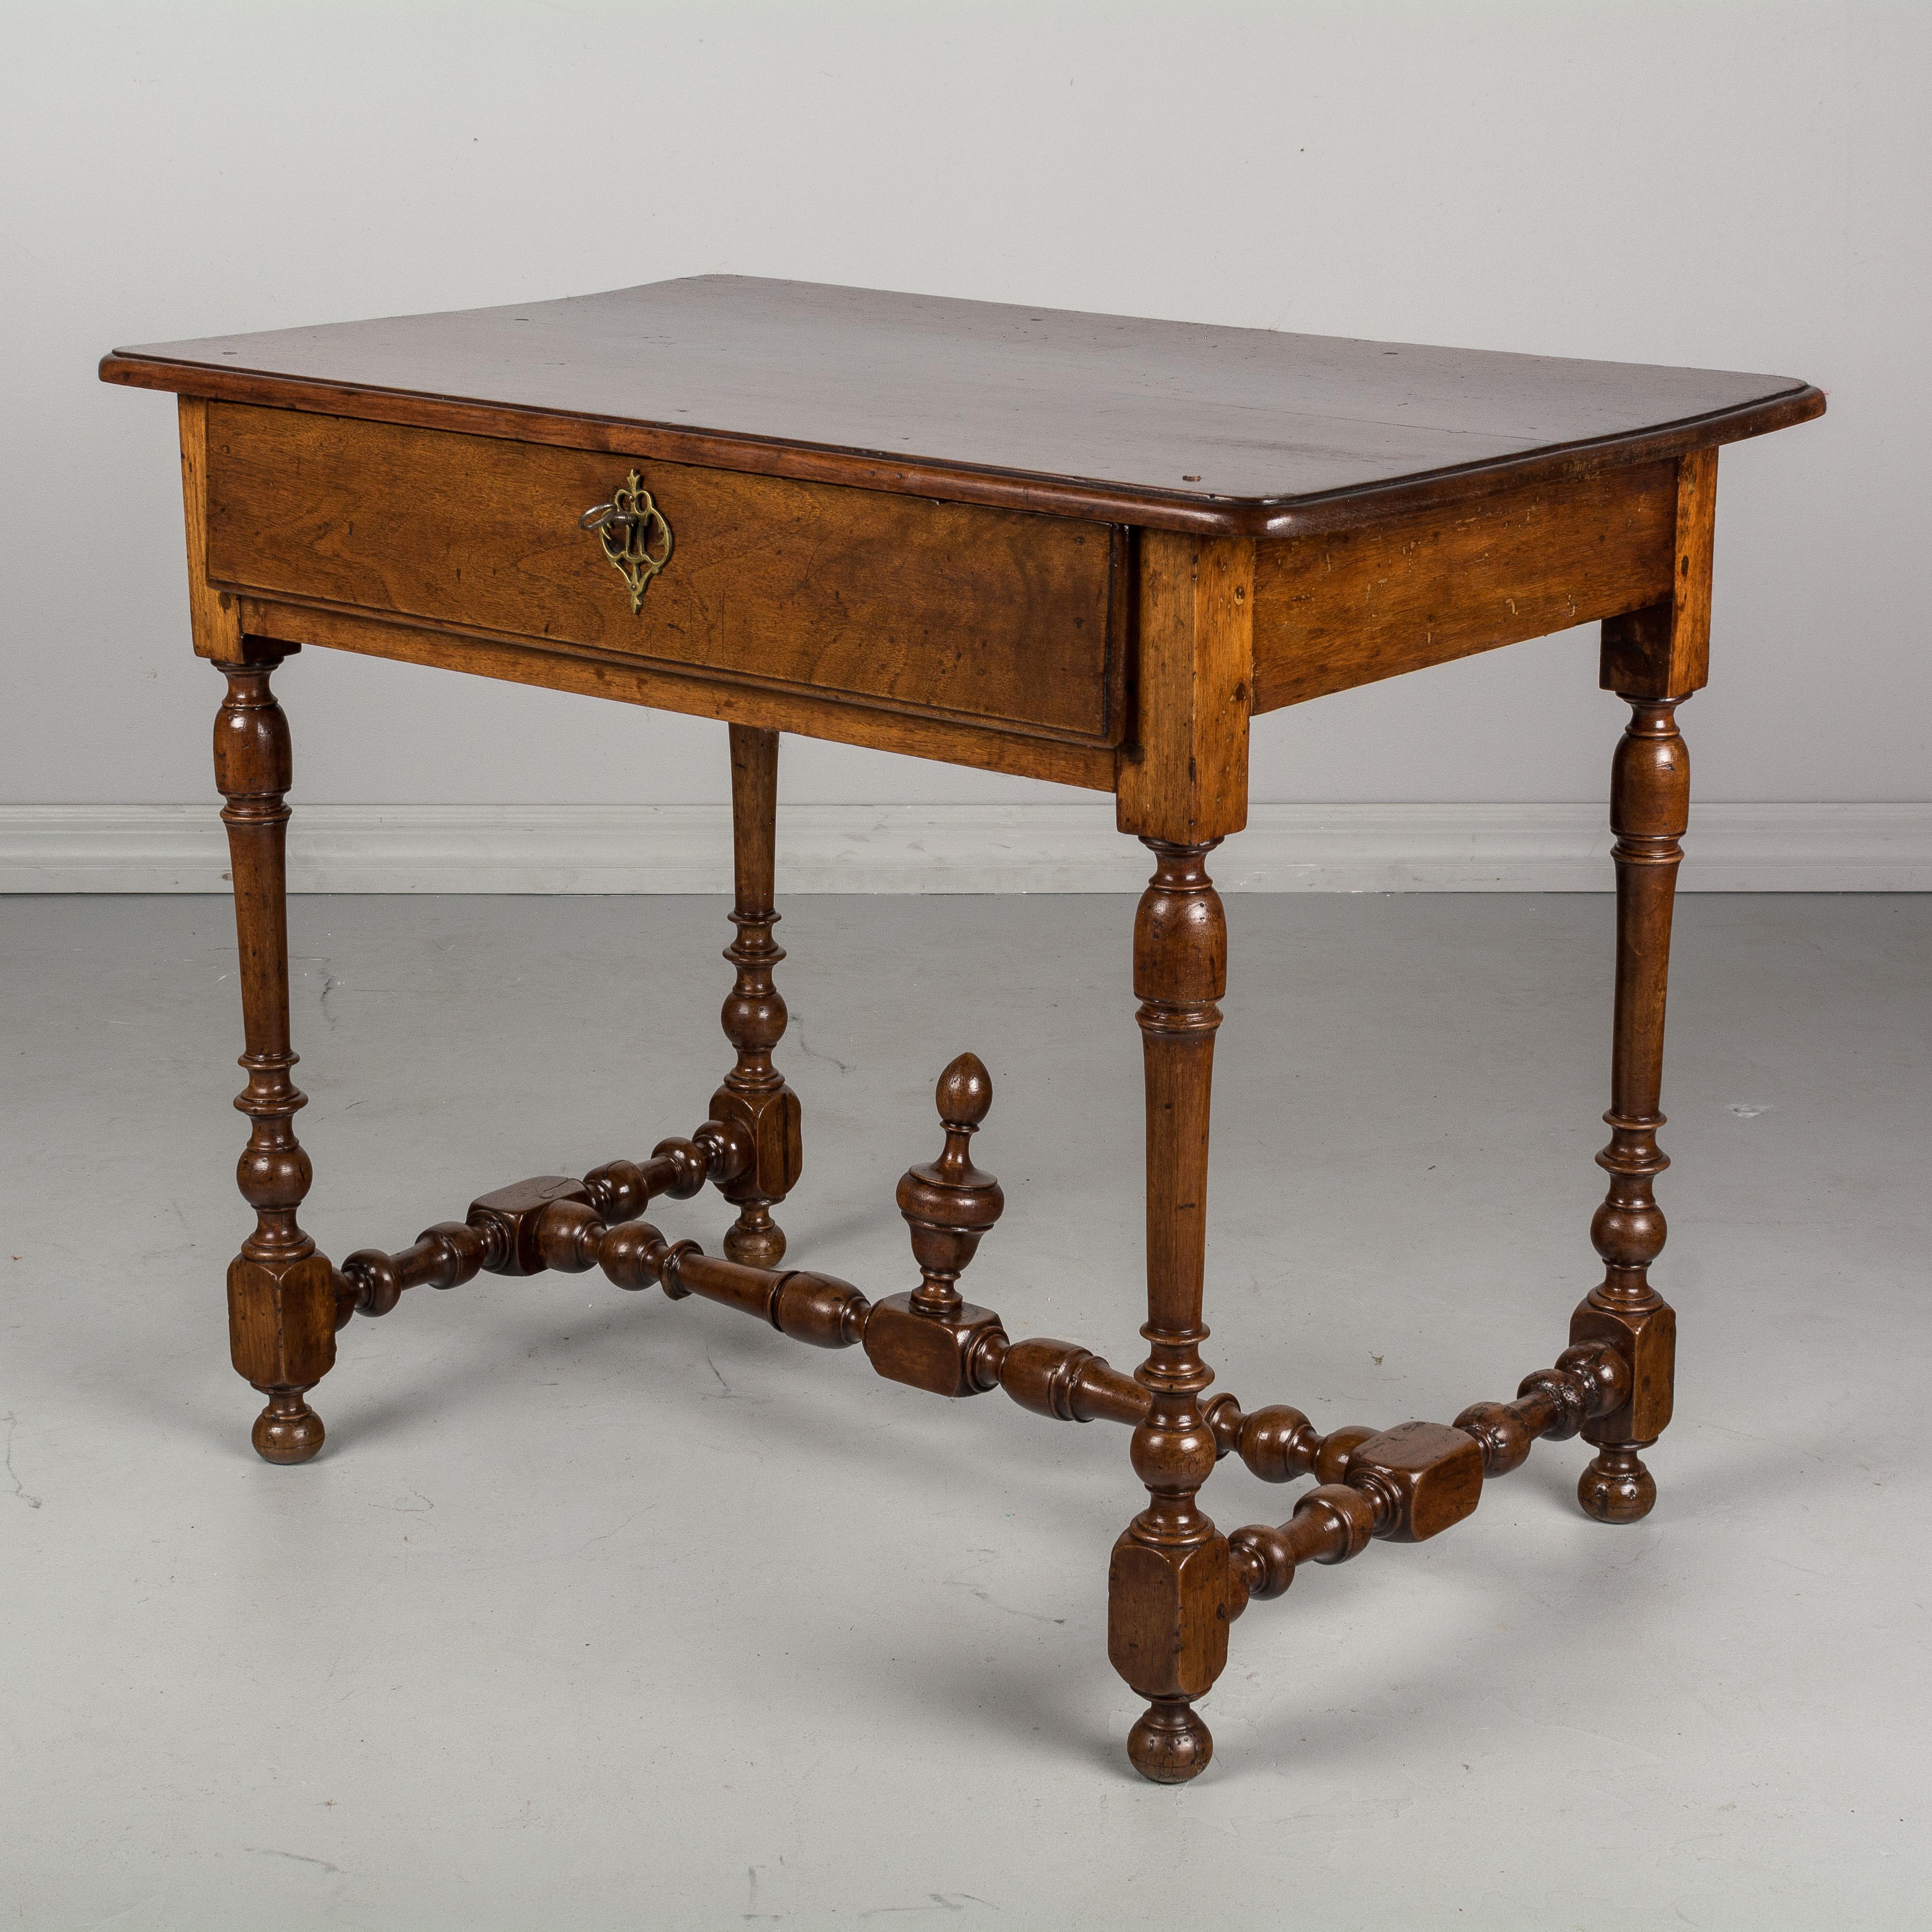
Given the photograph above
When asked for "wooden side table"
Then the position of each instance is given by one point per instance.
(1080, 548)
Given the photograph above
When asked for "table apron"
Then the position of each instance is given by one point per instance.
(1347, 608)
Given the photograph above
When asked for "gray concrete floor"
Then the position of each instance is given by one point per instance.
(598, 1612)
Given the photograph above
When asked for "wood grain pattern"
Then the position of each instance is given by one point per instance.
(213, 617)
(1163, 424)
(1664, 649)
(1185, 778)
(609, 674)
(931, 607)
(1350, 607)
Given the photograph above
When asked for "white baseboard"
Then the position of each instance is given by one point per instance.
(954, 848)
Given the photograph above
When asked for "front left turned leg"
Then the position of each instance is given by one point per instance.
(754, 1097)
(281, 1297)
(1168, 1589)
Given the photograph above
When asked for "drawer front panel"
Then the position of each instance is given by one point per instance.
(896, 601)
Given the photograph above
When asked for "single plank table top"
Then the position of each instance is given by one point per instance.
(1165, 424)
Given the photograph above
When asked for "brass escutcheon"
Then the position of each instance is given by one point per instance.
(634, 536)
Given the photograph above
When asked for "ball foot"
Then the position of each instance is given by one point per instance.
(1616, 1487)
(755, 1239)
(1170, 1743)
(288, 1430)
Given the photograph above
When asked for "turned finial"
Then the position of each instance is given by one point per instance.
(963, 1097)
(949, 1203)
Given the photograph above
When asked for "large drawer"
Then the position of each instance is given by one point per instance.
(944, 609)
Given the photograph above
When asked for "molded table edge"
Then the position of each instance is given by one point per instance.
(965, 483)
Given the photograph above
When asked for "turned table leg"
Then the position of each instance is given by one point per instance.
(1167, 1630)
(754, 1095)
(1653, 659)
(1650, 796)
(281, 1301)
(1180, 790)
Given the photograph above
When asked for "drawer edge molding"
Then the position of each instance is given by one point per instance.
(601, 674)
(1004, 618)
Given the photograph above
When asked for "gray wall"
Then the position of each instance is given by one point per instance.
(1739, 186)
